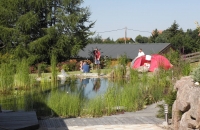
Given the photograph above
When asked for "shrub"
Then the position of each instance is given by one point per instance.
(196, 74)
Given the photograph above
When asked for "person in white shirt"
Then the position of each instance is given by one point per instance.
(140, 53)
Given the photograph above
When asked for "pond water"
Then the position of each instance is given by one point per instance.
(89, 87)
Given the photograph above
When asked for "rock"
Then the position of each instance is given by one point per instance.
(188, 103)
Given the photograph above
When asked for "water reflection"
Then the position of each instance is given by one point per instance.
(91, 87)
(85, 81)
(84, 88)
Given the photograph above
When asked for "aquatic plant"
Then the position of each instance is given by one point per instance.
(64, 104)
(6, 77)
(94, 107)
(22, 77)
(53, 69)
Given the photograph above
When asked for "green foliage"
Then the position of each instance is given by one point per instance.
(63, 104)
(154, 35)
(123, 60)
(7, 77)
(196, 74)
(173, 57)
(22, 77)
(38, 28)
(120, 68)
(141, 39)
(53, 68)
(94, 107)
(169, 100)
(107, 61)
(185, 68)
(41, 68)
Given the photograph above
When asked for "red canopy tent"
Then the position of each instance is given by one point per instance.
(156, 61)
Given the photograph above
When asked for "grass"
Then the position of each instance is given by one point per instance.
(133, 94)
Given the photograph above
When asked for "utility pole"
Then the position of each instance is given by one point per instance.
(125, 34)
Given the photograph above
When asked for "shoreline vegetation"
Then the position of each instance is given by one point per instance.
(126, 93)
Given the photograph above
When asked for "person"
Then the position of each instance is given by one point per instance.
(97, 56)
(140, 53)
(85, 67)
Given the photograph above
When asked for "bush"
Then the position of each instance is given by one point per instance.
(196, 74)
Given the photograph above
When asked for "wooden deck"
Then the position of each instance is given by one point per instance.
(18, 121)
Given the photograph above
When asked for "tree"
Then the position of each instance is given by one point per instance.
(37, 28)
(191, 41)
(153, 36)
(141, 39)
(96, 39)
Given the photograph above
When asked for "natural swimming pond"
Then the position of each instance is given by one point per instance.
(88, 96)
(83, 88)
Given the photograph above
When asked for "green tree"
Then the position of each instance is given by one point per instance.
(141, 39)
(191, 41)
(36, 28)
(153, 36)
(162, 38)
(96, 39)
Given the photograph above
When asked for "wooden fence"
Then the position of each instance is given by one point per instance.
(192, 57)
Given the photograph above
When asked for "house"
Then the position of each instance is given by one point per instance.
(130, 50)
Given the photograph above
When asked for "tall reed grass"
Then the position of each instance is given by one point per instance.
(63, 104)
(22, 77)
(94, 107)
(6, 77)
(120, 69)
(53, 69)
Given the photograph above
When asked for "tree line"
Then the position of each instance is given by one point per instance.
(36, 29)
(183, 41)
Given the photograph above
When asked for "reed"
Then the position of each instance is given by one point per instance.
(110, 100)
(63, 104)
(94, 107)
(22, 77)
(53, 69)
(7, 77)
(120, 69)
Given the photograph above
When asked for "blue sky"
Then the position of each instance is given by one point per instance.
(141, 15)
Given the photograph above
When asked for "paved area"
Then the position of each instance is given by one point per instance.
(140, 120)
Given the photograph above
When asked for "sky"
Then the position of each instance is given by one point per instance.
(140, 17)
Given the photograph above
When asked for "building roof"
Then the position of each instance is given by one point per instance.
(116, 50)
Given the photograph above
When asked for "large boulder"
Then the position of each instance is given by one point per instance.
(186, 108)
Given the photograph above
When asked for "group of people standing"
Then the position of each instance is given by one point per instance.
(85, 68)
